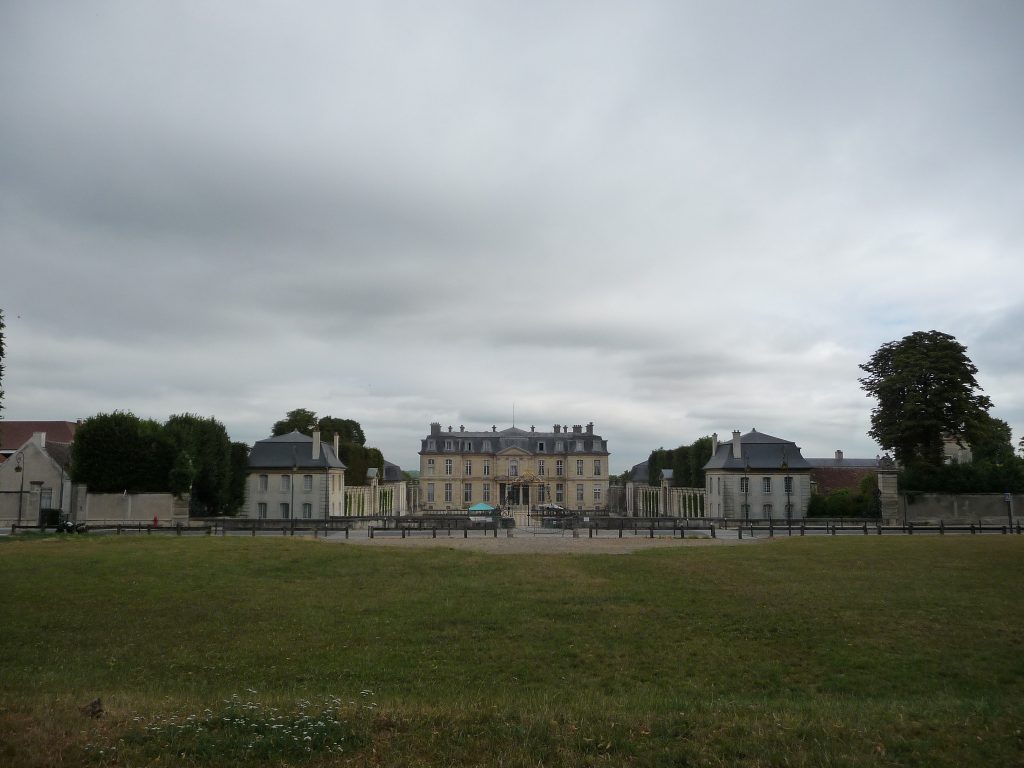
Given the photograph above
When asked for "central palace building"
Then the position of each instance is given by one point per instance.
(514, 468)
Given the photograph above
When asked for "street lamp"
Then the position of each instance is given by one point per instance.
(788, 485)
(19, 466)
(746, 491)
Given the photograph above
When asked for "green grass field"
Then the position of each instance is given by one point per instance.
(231, 652)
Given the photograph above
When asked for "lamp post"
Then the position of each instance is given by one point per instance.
(746, 491)
(787, 482)
(19, 466)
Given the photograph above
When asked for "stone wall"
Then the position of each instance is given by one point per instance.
(99, 508)
(988, 508)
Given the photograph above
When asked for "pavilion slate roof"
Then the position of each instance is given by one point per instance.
(294, 450)
(758, 452)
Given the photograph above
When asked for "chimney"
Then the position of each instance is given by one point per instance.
(590, 428)
(462, 427)
(839, 455)
(435, 428)
(337, 444)
(577, 429)
(737, 445)
(558, 428)
(714, 443)
(316, 444)
(39, 438)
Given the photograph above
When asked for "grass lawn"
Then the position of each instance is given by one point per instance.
(901, 651)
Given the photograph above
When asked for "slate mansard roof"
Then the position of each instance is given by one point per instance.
(513, 437)
(292, 450)
(758, 452)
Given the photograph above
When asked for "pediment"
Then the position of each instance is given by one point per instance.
(513, 451)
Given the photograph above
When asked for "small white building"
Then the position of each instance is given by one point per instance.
(757, 477)
(294, 476)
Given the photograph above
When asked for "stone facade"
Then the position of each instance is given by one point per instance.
(295, 476)
(33, 479)
(514, 468)
(757, 477)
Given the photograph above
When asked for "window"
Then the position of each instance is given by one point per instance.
(597, 467)
(307, 511)
(559, 493)
(766, 485)
(579, 446)
(579, 491)
(788, 485)
(430, 466)
(487, 469)
(285, 512)
(487, 446)
(286, 483)
(559, 446)
(447, 466)
(767, 510)
(744, 485)
(540, 446)
(430, 492)
(448, 445)
(468, 469)
(448, 492)
(261, 510)
(431, 445)
(467, 493)
(263, 483)
(487, 492)
(559, 468)
(513, 468)
(540, 495)
(540, 467)
(597, 493)
(467, 446)
(307, 482)
(579, 467)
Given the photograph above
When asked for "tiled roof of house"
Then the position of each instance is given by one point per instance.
(14, 434)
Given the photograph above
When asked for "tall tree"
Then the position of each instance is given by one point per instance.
(207, 447)
(993, 442)
(115, 452)
(239, 471)
(925, 390)
(300, 419)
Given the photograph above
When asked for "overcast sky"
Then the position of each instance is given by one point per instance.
(668, 218)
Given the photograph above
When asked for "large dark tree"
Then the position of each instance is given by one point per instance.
(925, 390)
(204, 448)
(115, 452)
(686, 462)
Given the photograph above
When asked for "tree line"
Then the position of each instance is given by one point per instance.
(120, 452)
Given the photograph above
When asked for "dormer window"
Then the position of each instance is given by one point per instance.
(540, 447)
